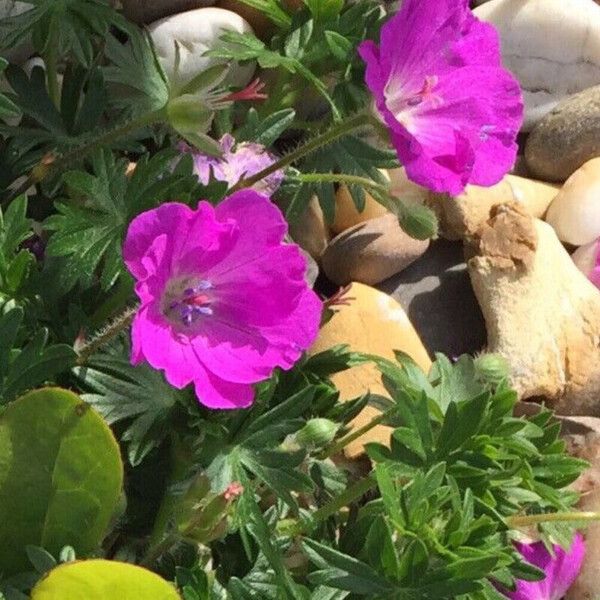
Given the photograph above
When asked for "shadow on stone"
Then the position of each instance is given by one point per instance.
(437, 295)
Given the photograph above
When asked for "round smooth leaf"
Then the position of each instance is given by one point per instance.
(60, 476)
(101, 580)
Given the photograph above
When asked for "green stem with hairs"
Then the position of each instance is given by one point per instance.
(560, 517)
(333, 133)
(51, 165)
(113, 329)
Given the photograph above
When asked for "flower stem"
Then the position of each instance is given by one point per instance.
(52, 164)
(160, 540)
(51, 60)
(121, 323)
(342, 178)
(564, 517)
(356, 491)
(336, 131)
(353, 435)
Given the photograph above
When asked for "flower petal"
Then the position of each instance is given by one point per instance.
(217, 393)
(170, 219)
(561, 570)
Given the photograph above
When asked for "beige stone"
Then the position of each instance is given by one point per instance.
(346, 213)
(585, 257)
(575, 212)
(375, 323)
(463, 215)
(371, 252)
(310, 231)
(542, 314)
(147, 11)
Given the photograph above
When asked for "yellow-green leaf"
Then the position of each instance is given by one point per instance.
(60, 476)
(102, 580)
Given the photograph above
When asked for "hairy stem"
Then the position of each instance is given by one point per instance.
(333, 133)
(52, 164)
(564, 517)
(121, 323)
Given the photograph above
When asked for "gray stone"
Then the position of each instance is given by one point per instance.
(436, 294)
(566, 138)
(370, 252)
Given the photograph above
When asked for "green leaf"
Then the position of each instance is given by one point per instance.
(63, 26)
(89, 228)
(343, 572)
(339, 45)
(72, 462)
(324, 10)
(265, 131)
(419, 221)
(136, 66)
(120, 391)
(103, 579)
(36, 363)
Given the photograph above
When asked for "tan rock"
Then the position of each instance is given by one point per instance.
(310, 231)
(372, 322)
(346, 213)
(541, 312)
(586, 256)
(405, 189)
(575, 212)
(371, 252)
(463, 215)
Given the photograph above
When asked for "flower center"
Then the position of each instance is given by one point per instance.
(402, 106)
(187, 300)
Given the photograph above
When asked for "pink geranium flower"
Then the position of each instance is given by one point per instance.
(236, 162)
(223, 299)
(561, 570)
(452, 111)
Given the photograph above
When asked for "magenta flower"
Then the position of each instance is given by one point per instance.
(223, 299)
(453, 112)
(561, 570)
(245, 160)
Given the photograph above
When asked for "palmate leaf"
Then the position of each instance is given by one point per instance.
(63, 26)
(35, 363)
(350, 155)
(89, 227)
(139, 395)
(134, 65)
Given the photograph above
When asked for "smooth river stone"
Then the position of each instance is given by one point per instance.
(575, 212)
(436, 293)
(371, 252)
(197, 31)
(373, 323)
(552, 47)
(566, 138)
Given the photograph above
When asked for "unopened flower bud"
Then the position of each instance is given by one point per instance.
(492, 367)
(317, 432)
